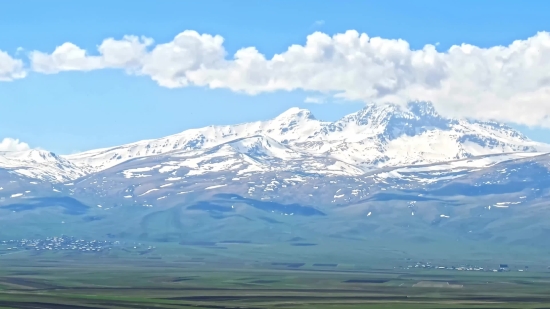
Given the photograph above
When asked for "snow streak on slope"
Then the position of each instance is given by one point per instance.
(376, 136)
(40, 164)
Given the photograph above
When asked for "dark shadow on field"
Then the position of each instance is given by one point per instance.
(235, 242)
(265, 298)
(37, 305)
(28, 283)
(264, 281)
(289, 265)
(377, 281)
(303, 244)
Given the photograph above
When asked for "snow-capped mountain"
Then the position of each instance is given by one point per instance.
(376, 136)
(40, 164)
(385, 169)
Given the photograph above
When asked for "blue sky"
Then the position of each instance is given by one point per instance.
(76, 111)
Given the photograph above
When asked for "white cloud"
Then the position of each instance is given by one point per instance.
(314, 100)
(319, 22)
(11, 144)
(10, 68)
(507, 83)
(127, 53)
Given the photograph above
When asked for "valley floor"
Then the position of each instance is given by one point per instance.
(129, 281)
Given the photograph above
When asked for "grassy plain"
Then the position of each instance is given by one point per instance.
(242, 277)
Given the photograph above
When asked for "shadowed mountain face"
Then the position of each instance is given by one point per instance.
(69, 205)
(386, 171)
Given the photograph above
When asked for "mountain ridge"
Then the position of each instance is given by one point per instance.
(40, 164)
(374, 137)
(377, 125)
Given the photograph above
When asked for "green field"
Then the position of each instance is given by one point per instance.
(189, 277)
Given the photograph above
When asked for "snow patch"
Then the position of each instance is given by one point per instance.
(214, 187)
(185, 192)
(148, 191)
(130, 173)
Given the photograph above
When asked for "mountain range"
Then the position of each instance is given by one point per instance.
(388, 170)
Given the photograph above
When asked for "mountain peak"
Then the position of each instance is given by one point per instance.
(36, 155)
(296, 113)
(40, 164)
(377, 115)
(420, 108)
(414, 109)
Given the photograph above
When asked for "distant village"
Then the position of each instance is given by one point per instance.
(66, 243)
(74, 244)
(428, 265)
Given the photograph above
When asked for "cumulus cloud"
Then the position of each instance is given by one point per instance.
(11, 144)
(506, 83)
(10, 68)
(127, 53)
